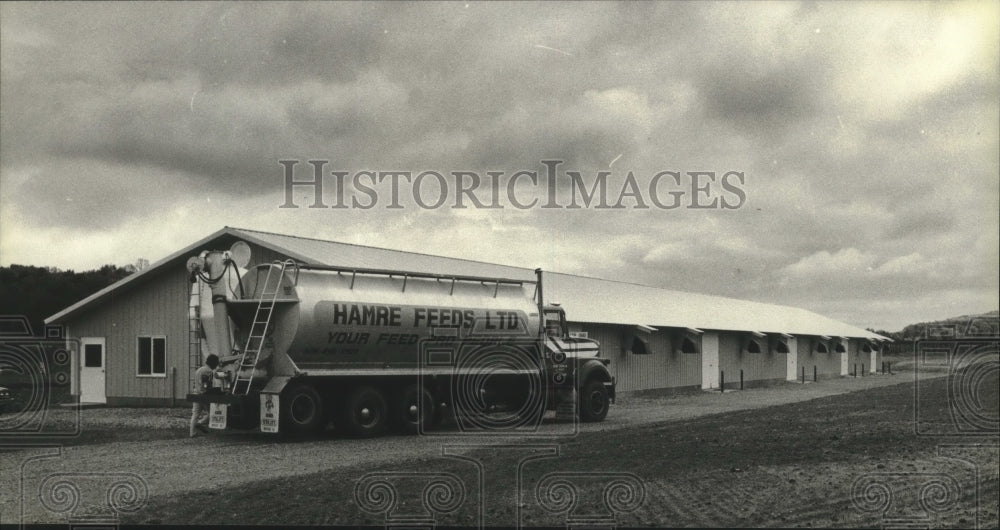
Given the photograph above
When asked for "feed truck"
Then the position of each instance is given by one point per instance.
(369, 350)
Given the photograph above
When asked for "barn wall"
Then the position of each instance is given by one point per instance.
(610, 340)
(768, 365)
(826, 364)
(757, 367)
(863, 357)
(641, 372)
(860, 357)
(665, 367)
(157, 307)
(684, 368)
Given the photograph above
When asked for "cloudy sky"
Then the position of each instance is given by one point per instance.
(867, 134)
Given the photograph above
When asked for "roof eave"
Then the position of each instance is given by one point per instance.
(153, 268)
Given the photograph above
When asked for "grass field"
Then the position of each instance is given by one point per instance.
(787, 465)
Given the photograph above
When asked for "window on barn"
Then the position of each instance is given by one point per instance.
(151, 357)
(781, 346)
(640, 346)
(753, 347)
(839, 348)
(866, 348)
(688, 346)
(821, 348)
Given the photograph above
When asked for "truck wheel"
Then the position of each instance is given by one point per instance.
(365, 413)
(410, 415)
(594, 401)
(301, 410)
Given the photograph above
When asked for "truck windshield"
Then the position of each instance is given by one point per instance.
(553, 324)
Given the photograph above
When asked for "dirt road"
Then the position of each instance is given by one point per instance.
(178, 464)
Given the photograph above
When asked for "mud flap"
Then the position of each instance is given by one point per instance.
(270, 403)
(269, 407)
(218, 416)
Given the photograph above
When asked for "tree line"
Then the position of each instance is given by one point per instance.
(40, 292)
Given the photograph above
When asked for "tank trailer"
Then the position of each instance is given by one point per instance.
(370, 350)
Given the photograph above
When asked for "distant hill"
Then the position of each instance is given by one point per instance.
(984, 324)
(40, 292)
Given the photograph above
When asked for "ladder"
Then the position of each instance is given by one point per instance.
(258, 329)
(195, 335)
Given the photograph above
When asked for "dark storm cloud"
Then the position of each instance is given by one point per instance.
(919, 222)
(762, 102)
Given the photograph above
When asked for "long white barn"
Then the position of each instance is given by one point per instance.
(134, 334)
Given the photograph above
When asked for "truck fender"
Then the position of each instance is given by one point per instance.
(596, 369)
(276, 384)
(592, 368)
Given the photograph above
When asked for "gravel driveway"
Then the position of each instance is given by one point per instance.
(177, 463)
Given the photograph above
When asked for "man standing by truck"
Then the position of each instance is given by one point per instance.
(203, 378)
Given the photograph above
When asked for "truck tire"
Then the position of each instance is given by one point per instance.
(301, 410)
(409, 415)
(364, 413)
(594, 401)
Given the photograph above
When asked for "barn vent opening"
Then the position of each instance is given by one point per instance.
(840, 348)
(753, 347)
(640, 346)
(688, 346)
(821, 348)
(781, 346)
(866, 348)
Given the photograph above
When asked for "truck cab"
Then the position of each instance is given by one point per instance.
(554, 318)
(587, 370)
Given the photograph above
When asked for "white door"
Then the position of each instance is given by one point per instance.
(843, 363)
(792, 361)
(92, 370)
(709, 360)
(874, 359)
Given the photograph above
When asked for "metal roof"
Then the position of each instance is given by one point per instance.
(137, 277)
(594, 300)
(585, 299)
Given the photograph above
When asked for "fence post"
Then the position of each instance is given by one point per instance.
(803, 375)
(814, 373)
(862, 369)
(890, 367)
(741, 379)
(722, 381)
(854, 370)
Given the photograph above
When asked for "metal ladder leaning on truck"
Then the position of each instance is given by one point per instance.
(303, 345)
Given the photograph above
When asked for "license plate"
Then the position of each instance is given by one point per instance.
(218, 415)
(269, 412)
